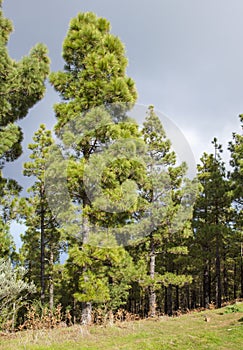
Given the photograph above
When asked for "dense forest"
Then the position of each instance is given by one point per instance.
(138, 235)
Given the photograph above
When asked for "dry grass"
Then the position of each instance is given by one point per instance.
(214, 329)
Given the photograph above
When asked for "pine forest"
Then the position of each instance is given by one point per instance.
(113, 225)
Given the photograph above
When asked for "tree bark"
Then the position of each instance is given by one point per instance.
(169, 300)
(241, 276)
(194, 299)
(86, 306)
(177, 302)
(152, 293)
(225, 282)
(86, 313)
(206, 285)
(42, 257)
(51, 286)
(218, 275)
(235, 283)
(165, 302)
(188, 295)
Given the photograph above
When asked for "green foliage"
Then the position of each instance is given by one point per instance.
(106, 277)
(42, 239)
(236, 176)
(169, 198)
(176, 280)
(96, 93)
(22, 85)
(233, 308)
(9, 190)
(94, 73)
(214, 238)
(214, 200)
(236, 149)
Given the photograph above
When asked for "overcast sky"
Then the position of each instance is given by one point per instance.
(186, 57)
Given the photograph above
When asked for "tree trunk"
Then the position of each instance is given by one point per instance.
(218, 275)
(86, 313)
(169, 300)
(152, 293)
(235, 283)
(241, 276)
(42, 257)
(74, 311)
(188, 296)
(206, 285)
(194, 299)
(226, 286)
(177, 302)
(165, 302)
(51, 286)
(201, 297)
(86, 306)
(13, 317)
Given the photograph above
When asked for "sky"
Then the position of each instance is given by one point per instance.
(186, 58)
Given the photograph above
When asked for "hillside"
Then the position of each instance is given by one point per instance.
(216, 329)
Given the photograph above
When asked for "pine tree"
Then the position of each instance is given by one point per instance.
(169, 197)
(21, 86)
(41, 242)
(96, 94)
(160, 158)
(107, 278)
(9, 190)
(236, 181)
(94, 73)
(211, 222)
(236, 149)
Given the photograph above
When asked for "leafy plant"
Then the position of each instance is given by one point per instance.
(233, 308)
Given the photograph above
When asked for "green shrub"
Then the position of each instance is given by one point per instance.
(233, 308)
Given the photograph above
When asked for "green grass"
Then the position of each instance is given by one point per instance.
(223, 332)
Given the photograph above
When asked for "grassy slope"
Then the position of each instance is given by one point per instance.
(223, 331)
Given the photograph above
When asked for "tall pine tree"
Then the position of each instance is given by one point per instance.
(211, 223)
(95, 94)
(21, 86)
(168, 202)
(236, 182)
(41, 241)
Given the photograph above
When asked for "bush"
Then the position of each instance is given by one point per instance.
(233, 308)
(13, 291)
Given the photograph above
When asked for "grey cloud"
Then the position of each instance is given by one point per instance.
(185, 56)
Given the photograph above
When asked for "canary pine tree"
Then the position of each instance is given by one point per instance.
(170, 197)
(211, 222)
(236, 181)
(96, 93)
(21, 86)
(41, 241)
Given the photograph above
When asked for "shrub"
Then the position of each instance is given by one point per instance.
(13, 292)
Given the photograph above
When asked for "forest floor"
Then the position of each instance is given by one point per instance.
(220, 329)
